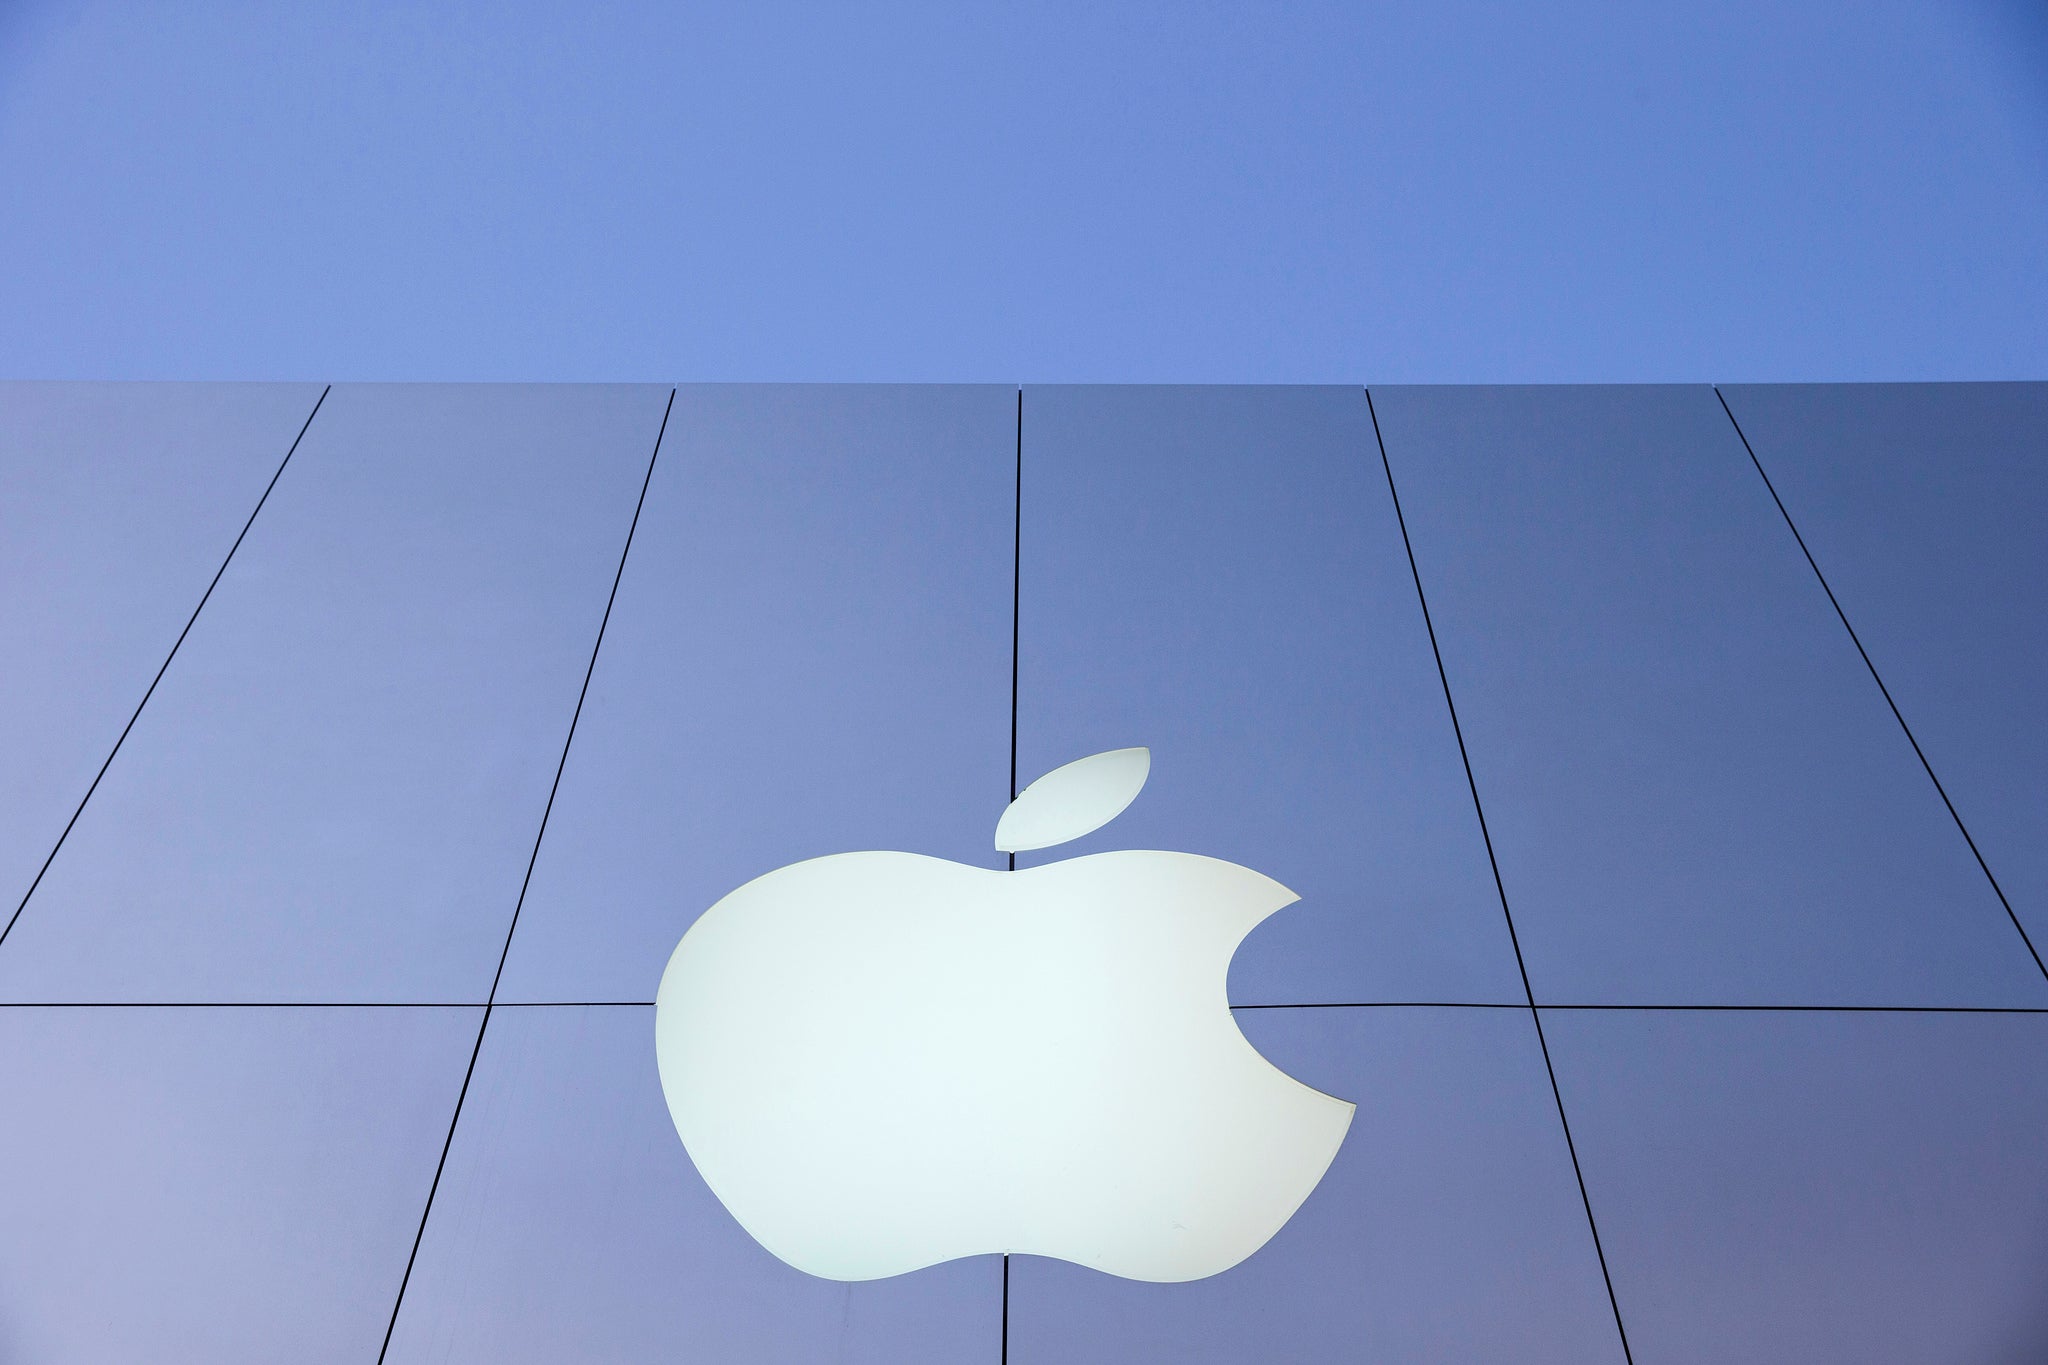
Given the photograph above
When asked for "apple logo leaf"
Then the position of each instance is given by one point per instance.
(1073, 800)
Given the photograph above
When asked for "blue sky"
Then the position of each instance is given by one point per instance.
(1444, 192)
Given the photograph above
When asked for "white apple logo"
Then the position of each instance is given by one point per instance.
(880, 1061)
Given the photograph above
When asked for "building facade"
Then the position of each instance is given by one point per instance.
(1662, 772)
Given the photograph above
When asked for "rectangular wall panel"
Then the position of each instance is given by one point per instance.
(1217, 574)
(334, 793)
(810, 654)
(118, 503)
(1696, 792)
(1814, 1187)
(197, 1185)
(1926, 506)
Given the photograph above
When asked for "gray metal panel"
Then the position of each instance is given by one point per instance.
(1696, 793)
(202, 1185)
(1926, 506)
(1448, 1228)
(570, 1225)
(1217, 573)
(335, 790)
(118, 503)
(810, 653)
(1816, 1187)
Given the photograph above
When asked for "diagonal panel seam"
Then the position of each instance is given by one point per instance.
(150, 691)
(1500, 888)
(490, 1001)
(1877, 678)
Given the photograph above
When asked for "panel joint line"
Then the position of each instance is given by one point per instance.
(1016, 592)
(490, 1001)
(1016, 599)
(1500, 888)
(150, 691)
(1875, 677)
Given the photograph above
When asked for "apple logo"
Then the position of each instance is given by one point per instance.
(880, 1061)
